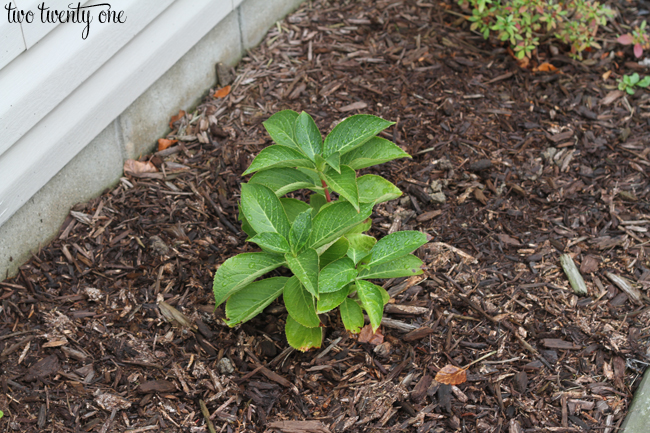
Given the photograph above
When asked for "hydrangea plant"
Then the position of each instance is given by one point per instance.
(322, 242)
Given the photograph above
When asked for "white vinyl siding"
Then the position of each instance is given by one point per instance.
(11, 41)
(61, 92)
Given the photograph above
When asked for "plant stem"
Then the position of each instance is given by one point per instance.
(480, 359)
(327, 193)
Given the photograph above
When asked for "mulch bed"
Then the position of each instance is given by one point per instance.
(510, 169)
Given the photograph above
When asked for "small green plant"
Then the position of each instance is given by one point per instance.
(639, 38)
(629, 82)
(524, 23)
(322, 242)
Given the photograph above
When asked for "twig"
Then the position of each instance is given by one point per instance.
(480, 359)
(206, 415)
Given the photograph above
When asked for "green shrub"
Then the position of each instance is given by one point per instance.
(523, 23)
(629, 82)
(321, 242)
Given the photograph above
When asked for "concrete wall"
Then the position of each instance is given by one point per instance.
(134, 131)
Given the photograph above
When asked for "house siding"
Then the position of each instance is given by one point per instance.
(122, 96)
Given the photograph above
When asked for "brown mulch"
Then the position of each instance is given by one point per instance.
(111, 326)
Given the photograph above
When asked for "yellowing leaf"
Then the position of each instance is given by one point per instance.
(451, 375)
(222, 93)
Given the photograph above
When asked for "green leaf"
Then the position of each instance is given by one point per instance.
(372, 300)
(263, 210)
(645, 82)
(272, 242)
(405, 266)
(300, 303)
(334, 161)
(352, 316)
(237, 272)
(308, 136)
(293, 207)
(282, 180)
(353, 132)
(277, 156)
(300, 231)
(376, 189)
(336, 275)
(281, 128)
(360, 246)
(316, 201)
(393, 246)
(245, 226)
(634, 78)
(334, 252)
(320, 162)
(361, 227)
(375, 151)
(385, 296)
(302, 338)
(329, 301)
(334, 220)
(252, 299)
(345, 184)
(305, 267)
(630, 90)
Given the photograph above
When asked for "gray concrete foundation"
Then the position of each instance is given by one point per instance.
(638, 418)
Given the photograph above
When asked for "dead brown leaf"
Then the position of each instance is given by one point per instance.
(451, 375)
(137, 168)
(222, 93)
(164, 143)
(545, 67)
(367, 336)
(176, 118)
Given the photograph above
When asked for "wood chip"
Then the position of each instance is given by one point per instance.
(299, 426)
(556, 343)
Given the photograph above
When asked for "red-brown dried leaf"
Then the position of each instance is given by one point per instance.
(545, 67)
(176, 118)
(223, 92)
(164, 143)
(367, 336)
(451, 375)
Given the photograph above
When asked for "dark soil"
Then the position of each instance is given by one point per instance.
(510, 169)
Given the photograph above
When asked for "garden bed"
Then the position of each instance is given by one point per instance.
(510, 169)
